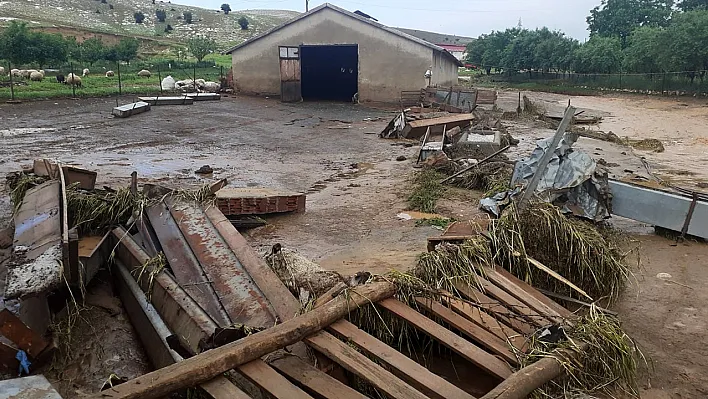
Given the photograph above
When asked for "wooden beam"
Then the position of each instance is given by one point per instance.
(209, 364)
(261, 374)
(528, 379)
(314, 380)
(495, 308)
(459, 345)
(477, 333)
(536, 317)
(362, 366)
(402, 366)
(537, 294)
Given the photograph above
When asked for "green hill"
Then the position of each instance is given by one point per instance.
(116, 17)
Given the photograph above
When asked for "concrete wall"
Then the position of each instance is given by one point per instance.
(445, 72)
(388, 63)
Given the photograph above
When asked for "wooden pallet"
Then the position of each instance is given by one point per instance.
(485, 327)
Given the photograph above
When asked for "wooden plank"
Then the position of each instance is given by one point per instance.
(496, 309)
(537, 318)
(489, 323)
(454, 120)
(314, 380)
(212, 363)
(459, 345)
(261, 374)
(537, 294)
(477, 333)
(517, 292)
(402, 366)
(12, 328)
(222, 388)
(362, 366)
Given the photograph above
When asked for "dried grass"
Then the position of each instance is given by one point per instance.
(19, 183)
(427, 190)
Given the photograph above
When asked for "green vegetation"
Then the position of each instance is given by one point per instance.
(139, 17)
(161, 15)
(201, 46)
(187, 17)
(226, 8)
(426, 191)
(243, 22)
(435, 222)
(19, 46)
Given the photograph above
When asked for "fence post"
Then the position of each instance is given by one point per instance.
(663, 84)
(12, 84)
(620, 80)
(73, 80)
(120, 87)
(159, 79)
(194, 79)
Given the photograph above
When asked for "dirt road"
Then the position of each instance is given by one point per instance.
(356, 188)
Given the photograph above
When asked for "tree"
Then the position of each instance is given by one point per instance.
(644, 50)
(13, 43)
(161, 15)
(168, 28)
(201, 46)
(127, 49)
(691, 5)
(47, 48)
(618, 18)
(684, 43)
(92, 50)
(488, 50)
(226, 8)
(139, 17)
(187, 17)
(243, 22)
(599, 55)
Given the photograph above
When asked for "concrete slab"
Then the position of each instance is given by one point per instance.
(125, 111)
(204, 96)
(181, 100)
(34, 387)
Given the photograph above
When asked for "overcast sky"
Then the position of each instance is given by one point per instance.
(459, 17)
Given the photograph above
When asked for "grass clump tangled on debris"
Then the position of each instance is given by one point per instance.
(596, 354)
(93, 211)
(19, 183)
(574, 248)
(427, 190)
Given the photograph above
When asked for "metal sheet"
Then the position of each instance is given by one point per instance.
(658, 208)
(241, 297)
(185, 266)
(35, 387)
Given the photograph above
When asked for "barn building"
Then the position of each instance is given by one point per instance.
(332, 54)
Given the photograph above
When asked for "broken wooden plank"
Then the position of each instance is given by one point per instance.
(362, 366)
(172, 100)
(186, 267)
(402, 366)
(209, 364)
(12, 328)
(85, 179)
(314, 380)
(417, 128)
(277, 386)
(508, 300)
(457, 344)
(477, 333)
(125, 111)
(239, 295)
(496, 309)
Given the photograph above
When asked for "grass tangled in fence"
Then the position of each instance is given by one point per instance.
(572, 247)
(597, 355)
(427, 190)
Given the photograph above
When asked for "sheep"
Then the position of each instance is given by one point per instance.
(60, 78)
(42, 72)
(86, 72)
(16, 73)
(72, 79)
(200, 83)
(2, 71)
(36, 76)
(110, 74)
(144, 73)
(30, 72)
(212, 87)
(24, 73)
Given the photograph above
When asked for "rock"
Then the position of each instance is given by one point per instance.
(438, 158)
(401, 158)
(204, 170)
(6, 235)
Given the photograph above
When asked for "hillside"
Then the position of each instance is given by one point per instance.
(97, 16)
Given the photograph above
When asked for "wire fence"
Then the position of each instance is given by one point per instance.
(105, 79)
(691, 83)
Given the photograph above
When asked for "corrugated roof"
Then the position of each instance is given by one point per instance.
(351, 15)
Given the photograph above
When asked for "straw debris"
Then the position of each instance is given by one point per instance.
(427, 190)
(19, 183)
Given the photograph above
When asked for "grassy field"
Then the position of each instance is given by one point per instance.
(96, 84)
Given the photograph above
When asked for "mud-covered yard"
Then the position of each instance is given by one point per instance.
(356, 187)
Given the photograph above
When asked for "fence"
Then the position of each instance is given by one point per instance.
(666, 83)
(97, 83)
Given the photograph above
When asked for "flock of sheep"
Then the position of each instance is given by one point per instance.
(70, 79)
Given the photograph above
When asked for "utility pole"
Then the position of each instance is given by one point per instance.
(307, 5)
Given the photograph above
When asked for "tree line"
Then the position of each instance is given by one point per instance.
(23, 46)
(626, 36)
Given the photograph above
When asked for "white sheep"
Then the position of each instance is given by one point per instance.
(73, 79)
(212, 87)
(110, 74)
(86, 72)
(2, 70)
(42, 72)
(16, 73)
(144, 73)
(36, 76)
(24, 73)
(200, 83)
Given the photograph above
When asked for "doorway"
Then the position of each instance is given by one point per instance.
(330, 72)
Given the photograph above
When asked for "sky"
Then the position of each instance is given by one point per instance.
(457, 17)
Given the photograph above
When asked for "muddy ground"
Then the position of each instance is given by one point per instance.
(356, 188)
